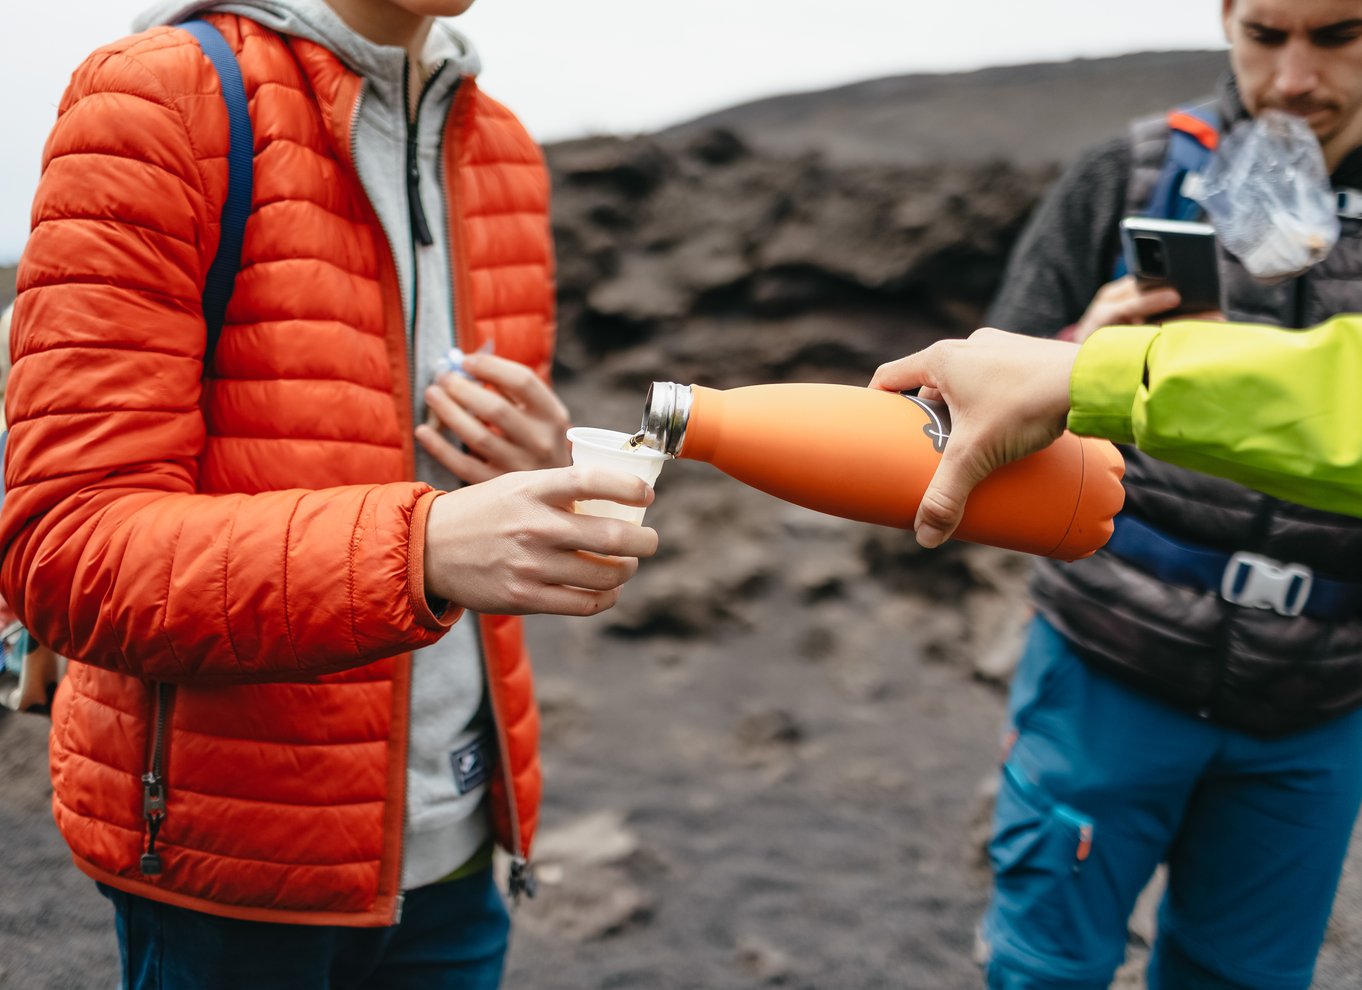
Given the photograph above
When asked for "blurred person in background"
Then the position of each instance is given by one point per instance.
(280, 750)
(1191, 694)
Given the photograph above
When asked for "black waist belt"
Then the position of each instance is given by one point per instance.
(1246, 579)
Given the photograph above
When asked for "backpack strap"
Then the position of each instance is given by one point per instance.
(217, 289)
(1193, 135)
(221, 279)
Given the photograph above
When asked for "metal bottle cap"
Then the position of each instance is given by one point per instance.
(666, 411)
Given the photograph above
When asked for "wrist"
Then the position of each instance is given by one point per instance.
(429, 602)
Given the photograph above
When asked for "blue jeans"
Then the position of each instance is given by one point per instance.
(452, 936)
(1103, 783)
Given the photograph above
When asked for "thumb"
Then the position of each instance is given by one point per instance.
(943, 503)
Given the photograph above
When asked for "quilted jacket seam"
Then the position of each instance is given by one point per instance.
(257, 263)
(493, 215)
(33, 479)
(182, 790)
(514, 315)
(247, 379)
(139, 715)
(350, 220)
(182, 732)
(122, 222)
(95, 152)
(106, 410)
(306, 439)
(350, 570)
(165, 598)
(226, 595)
(121, 345)
(164, 843)
(288, 611)
(500, 265)
(187, 302)
(135, 830)
(219, 854)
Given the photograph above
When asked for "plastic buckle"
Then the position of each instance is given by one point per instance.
(1349, 203)
(1192, 185)
(1261, 582)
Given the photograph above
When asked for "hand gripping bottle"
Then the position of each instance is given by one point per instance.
(865, 454)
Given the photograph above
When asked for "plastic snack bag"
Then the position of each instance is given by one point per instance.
(1268, 194)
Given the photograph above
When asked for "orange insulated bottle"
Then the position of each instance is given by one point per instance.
(865, 454)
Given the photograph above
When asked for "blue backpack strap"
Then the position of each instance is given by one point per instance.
(221, 279)
(1193, 136)
(217, 289)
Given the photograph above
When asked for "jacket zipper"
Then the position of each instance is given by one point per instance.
(153, 781)
(442, 180)
(522, 881)
(419, 227)
(399, 897)
(419, 235)
(453, 236)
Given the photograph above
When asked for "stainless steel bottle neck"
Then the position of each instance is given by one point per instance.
(666, 411)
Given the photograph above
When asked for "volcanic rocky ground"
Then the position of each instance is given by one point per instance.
(770, 764)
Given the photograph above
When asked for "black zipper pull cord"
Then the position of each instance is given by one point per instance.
(420, 226)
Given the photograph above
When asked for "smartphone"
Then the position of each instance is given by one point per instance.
(1176, 253)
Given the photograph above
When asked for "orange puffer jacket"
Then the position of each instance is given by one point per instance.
(236, 563)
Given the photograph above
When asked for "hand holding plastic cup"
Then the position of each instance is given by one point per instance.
(611, 449)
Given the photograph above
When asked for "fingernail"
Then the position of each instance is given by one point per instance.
(930, 537)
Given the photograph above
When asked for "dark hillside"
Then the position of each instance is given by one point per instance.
(1025, 114)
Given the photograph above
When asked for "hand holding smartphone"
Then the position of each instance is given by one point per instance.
(1180, 254)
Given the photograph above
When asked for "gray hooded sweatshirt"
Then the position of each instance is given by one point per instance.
(451, 739)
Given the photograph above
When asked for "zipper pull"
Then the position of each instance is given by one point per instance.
(420, 226)
(1084, 845)
(522, 880)
(154, 810)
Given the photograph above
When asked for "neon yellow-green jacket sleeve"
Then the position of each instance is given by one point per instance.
(1277, 410)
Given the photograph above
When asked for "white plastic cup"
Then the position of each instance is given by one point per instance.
(611, 449)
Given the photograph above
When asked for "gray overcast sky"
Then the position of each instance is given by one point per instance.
(621, 66)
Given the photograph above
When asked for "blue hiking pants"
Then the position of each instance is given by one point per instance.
(452, 936)
(1102, 783)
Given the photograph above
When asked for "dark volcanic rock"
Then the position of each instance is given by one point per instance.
(704, 261)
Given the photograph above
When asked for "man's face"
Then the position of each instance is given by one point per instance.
(1304, 57)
